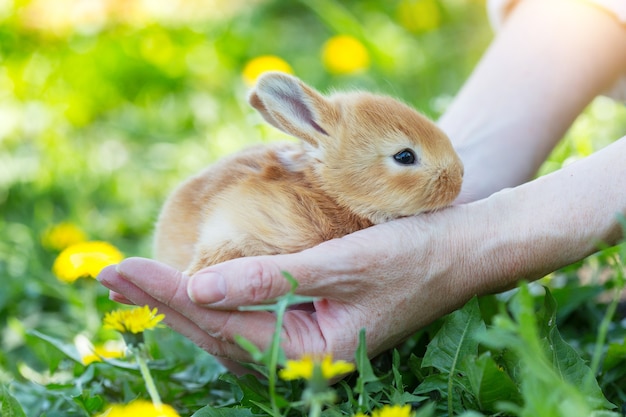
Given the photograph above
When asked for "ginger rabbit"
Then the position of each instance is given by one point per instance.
(361, 159)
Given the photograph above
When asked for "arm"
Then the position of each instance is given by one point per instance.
(549, 60)
(536, 228)
(397, 277)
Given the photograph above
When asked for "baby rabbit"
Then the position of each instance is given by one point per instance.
(362, 159)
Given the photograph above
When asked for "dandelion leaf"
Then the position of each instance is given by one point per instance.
(252, 390)
(363, 364)
(209, 411)
(455, 340)
(567, 362)
(9, 407)
(68, 349)
(573, 369)
(554, 379)
(490, 384)
(427, 410)
(615, 355)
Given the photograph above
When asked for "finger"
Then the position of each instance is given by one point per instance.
(153, 282)
(119, 298)
(215, 331)
(326, 270)
(238, 282)
(110, 278)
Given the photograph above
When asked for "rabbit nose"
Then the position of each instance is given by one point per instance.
(452, 172)
(450, 178)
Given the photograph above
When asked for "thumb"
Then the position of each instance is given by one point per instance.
(331, 269)
(242, 281)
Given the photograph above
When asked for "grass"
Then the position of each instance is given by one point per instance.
(102, 114)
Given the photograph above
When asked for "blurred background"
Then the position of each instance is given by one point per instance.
(105, 105)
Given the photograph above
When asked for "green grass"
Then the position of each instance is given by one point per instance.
(98, 121)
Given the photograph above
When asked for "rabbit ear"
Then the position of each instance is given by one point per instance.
(293, 107)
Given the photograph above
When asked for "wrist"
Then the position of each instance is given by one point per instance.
(526, 232)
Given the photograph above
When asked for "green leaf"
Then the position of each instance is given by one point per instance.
(572, 297)
(573, 369)
(363, 364)
(455, 340)
(615, 355)
(436, 382)
(209, 411)
(489, 383)
(453, 343)
(67, 348)
(367, 383)
(292, 281)
(257, 354)
(403, 397)
(552, 373)
(89, 402)
(395, 369)
(251, 388)
(415, 366)
(9, 407)
(427, 410)
(471, 414)
(439, 383)
(567, 362)
(288, 299)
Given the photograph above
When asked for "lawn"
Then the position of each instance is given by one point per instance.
(106, 105)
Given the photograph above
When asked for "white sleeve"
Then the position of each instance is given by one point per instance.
(498, 9)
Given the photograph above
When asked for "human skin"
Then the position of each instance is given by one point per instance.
(394, 278)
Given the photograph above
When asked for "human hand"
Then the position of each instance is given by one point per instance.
(382, 279)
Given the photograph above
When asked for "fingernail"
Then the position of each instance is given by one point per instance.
(206, 288)
(104, 272)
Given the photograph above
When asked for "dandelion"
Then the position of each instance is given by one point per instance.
(344, 54)
(62, 235)
(317, 371)
(135, 320)
(393, 411)
(132, 323)
(419, 16)
(304, 368)
(257, 66)
(140, 408)
(90, 353)
(85, 259)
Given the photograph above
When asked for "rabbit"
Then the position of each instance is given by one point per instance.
(361, 159)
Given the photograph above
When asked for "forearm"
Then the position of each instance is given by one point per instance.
(536, 228)
(551, 58)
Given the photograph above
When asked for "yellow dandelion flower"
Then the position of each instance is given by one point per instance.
(257, 66)
(106, 351)
(419, 16)
(139, 408)
(343, 54)
(85, 259)
(135, 320)
(304, 367)
(393, 411)
(62, 235)
(332, 369)
(296, 369)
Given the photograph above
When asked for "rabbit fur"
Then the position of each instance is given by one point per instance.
(362, 159)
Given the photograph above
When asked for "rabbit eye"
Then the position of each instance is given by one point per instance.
(405, 157)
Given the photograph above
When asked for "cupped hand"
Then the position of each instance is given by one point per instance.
(385, 279)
